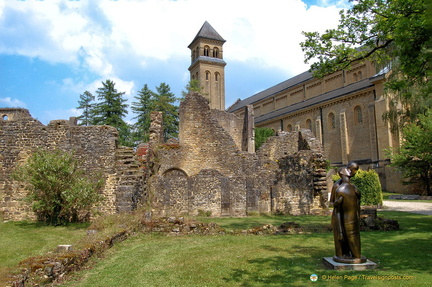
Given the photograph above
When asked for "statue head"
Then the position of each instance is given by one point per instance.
(353, 167)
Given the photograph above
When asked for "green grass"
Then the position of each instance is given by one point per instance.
(268, 260)
(20, 240)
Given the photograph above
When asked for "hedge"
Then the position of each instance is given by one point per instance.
(368, 185)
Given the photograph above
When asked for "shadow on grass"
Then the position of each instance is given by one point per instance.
(35, 225)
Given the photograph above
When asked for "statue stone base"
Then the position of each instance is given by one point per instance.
(332, 264)
(350, 260)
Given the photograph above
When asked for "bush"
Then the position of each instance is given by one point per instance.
(60, 192)
(261, 136)
(368, 185)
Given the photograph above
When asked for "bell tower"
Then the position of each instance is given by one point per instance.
(207, 65)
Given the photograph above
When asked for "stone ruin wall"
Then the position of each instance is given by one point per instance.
(208, 172)
(95, 147)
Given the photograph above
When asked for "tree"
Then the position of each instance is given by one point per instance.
(60, 191)
(143, 108)
(414, 158)
(192, 86)
(85, 104)
(390, 33)
(261, 136)
(111, 109)
(163, 102)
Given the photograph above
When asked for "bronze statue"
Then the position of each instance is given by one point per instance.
(346, 217)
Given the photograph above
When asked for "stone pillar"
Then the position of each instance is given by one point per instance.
(156, 128)
(372, 132)
(248, 142)
(318, 129)
(344, 137)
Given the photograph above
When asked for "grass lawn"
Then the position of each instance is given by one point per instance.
(20, 240)
(266, 260)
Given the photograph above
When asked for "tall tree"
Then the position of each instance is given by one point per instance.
(392, 34)
(111, 109)
(142, 107)
(164, 101)
(86, 104)
(414, 158)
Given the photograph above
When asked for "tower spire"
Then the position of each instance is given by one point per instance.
(207, 65)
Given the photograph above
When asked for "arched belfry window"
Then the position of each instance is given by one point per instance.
(331, 121)
(197, 52)
(206, 51)
(358, 115)
(207, 75)
(193, 55)
(215, 52)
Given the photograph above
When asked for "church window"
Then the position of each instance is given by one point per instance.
(215, 52)
(206, 50)
(193, 56)
(216, 77)
(289, 128)
(207, 75)
(355, 77)
(309, 124)
(359, 75)
(331, 121)
(358, 116)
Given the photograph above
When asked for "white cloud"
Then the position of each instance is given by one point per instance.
(91, 35)
(12, 103)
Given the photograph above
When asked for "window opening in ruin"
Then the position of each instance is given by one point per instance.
(309, 124)
(289, 128)
(206, 50)
(215, 52)
(331, 121)
(5, 117)
(358, 116)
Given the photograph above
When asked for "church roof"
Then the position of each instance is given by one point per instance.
(358, 86)
(208, 32)
(272, 91)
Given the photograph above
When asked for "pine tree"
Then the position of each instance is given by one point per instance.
(85, 104)
(164, 101)
(142, 107)
(111, 109)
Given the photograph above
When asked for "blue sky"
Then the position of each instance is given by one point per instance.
(52, 51)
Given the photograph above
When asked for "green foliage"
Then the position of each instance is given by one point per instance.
(390, 33)
(111, 109)
(85, 104)
(192, 86)
(368, 185)
(414, 157)
(261, 136)
(59, 190)
(143, 108)
(164, 101)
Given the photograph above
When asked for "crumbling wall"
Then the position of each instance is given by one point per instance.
(94, 146)
(208, 172)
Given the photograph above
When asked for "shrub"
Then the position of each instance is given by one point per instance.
(368, 185)
(261, 136)
(59, 190)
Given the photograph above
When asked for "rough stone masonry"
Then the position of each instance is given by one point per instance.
(212, 168)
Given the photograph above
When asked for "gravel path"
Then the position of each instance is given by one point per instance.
(408, 206)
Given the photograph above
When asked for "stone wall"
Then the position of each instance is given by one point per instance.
(95, 147)
(207, 172)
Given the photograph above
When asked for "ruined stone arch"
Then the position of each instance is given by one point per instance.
(174, 172)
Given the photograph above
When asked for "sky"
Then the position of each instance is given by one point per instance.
(53, 51)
